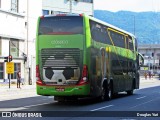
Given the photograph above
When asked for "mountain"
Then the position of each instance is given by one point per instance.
(144, 25)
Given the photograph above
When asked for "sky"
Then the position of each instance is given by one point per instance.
(127, 5)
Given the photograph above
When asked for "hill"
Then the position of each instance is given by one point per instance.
(145, 25)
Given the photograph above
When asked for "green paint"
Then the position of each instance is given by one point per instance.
(69, 90)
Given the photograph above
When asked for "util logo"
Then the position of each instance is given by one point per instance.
(55, 42)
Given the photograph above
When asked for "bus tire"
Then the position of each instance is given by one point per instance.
(130, 92)
(103, 96)
(109, 91)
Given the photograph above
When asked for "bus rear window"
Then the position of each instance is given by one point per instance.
(57, 25)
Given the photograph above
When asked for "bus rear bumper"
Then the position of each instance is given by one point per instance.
(77, 90)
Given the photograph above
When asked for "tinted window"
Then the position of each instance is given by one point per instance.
(130, 43)
(61, 25)
(118, 39)
(99, 32)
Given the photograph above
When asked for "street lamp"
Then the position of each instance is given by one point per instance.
(70, 6)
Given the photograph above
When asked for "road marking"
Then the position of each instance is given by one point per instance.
(140, 97)
(50, 96)
(145, 103)
(36, 105)
(102, 108)
(12, 109)
(21, 108)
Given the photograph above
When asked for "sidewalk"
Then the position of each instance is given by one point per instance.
(13, 92)
(151, 80)
(144, 83)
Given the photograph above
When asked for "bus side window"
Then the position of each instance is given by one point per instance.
(140, 59)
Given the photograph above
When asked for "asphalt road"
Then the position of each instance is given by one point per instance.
(143, 105)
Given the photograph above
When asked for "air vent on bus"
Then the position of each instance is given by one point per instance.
(60, 58)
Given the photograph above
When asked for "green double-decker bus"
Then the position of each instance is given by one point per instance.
(79, 56)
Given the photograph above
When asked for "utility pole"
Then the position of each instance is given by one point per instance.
(134, 24)
(27, 23)
(9, 75)
(27, 39)
(70, 6)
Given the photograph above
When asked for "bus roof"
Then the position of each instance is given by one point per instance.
(109, 25)
(62, 15)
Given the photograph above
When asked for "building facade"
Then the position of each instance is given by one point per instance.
(67, 6)
(17, 32)
(12, 35)
(151, 54)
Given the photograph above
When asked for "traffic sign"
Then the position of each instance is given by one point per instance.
(10, 67)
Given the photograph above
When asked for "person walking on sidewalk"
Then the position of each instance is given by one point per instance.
(18, 79)
(145, 75)
(149, 74)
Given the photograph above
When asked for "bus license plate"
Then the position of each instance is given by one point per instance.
(60, 89)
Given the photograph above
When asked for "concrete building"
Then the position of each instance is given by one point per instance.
(67, 6)
(151, 53)
(12, 30)
(17, 33)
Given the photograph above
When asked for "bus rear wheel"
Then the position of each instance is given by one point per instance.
(130, 92)
(109, 92)
(103, 96)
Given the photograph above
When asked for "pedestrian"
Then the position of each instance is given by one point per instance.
(149, 74)
(158, 72)
(145, 75)
(18, 79)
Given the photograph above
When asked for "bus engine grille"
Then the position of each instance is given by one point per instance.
(58, 58)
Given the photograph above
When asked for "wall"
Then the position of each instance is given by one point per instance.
(65, 6)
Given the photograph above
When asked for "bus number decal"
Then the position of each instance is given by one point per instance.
(59, 42)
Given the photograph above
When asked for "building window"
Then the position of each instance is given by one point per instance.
(57, 12)
(14, 5)
(1, 71)
(0, 46)
(45, 12)
(14, 47)
(17, 67)
(89, 1)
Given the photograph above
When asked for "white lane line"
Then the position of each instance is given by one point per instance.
(145, 102)
(35, 105)
(141, 97)
(102, 108)
(21, 108)
(50, 96)
(12, 109)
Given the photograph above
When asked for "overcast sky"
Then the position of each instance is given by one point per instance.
(127, 5)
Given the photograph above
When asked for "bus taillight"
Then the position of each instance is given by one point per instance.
(38, 81)
(84, 78)
(81, 15)
(85, 71)
(42, 17)
(37, 72)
